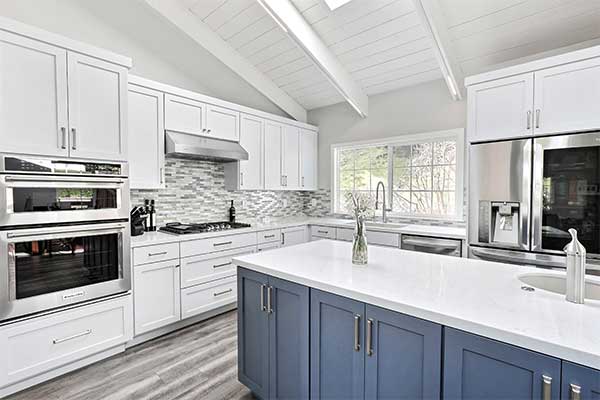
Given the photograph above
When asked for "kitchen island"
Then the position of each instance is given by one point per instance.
(398, 325)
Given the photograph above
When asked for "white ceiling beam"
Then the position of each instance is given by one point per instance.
(300, 31)
(432, 18)
(201, 33)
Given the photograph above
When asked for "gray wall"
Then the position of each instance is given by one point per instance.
(129, 27)
(422, 108)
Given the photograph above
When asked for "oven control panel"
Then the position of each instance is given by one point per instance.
(49, 166)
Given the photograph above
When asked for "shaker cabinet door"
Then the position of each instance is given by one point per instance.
(33, 97)
(251, 139)
(403, 356)
(291, 157)
(273, 156)
(97, 108)
(185, 115)
(579, 382)
(479, 368)
(222, 123)
(308, 159)
(336, 347)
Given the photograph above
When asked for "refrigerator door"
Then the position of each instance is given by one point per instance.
(500, 194)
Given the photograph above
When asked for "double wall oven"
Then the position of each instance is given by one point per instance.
(64, 233)
(525, 195)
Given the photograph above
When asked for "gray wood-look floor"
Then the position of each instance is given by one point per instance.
(197, 362)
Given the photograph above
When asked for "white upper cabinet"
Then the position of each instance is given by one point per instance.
(251, 139)
(97, 108)
(146, 138)
(291, 157)
(185, 115)
(501, 109)
(33, 97)
(273, 156)
(567, 98)
(308, 159)
(222, 123)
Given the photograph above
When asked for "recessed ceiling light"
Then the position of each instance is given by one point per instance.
(333, 4)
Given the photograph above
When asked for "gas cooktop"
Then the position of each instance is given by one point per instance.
(182, 229)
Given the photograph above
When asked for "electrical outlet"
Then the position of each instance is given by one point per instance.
(313, 202)
(285, 203)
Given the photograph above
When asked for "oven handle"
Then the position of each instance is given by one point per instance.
(53, 233)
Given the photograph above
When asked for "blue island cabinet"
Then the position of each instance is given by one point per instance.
(273, 336)
(579, 383)
(359, 351)
(480, 368)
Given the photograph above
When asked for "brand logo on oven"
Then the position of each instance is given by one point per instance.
(74, 295)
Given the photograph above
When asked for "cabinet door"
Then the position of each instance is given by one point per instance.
(292, 236)
(222, 123)
(291, 157)
(579, 380)
(404, 356)
(273, 156)
(480, 368)
(500, 109)
(253, 332)
(156, 295)
(146, 138)
(97, 108)
(33, 93)
(336, 338)
(185, 115)
(308, 160)
(567, 98)
(251, 139)
(288, 340)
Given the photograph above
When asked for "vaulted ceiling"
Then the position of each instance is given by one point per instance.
(380, 45)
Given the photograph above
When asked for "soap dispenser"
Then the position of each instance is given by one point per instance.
(575, 269)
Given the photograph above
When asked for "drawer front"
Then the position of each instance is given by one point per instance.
(157, 253)
(383, 238)
(42, 344)
(322, 231)
(273, 235)
(221, 243)
(202, 298)
(344, 234)
(210, 267)
(268, 246)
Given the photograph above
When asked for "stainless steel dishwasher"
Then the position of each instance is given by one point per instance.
(435, 245)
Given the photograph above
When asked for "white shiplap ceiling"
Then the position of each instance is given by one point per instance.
(487, 33)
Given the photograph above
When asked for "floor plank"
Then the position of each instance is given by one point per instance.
(197, 362)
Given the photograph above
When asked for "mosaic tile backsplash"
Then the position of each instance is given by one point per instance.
(195, 192)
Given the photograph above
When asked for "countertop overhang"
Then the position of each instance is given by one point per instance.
(476, 296)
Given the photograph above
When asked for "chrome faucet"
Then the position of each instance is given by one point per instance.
(384, 210)
(575, 269)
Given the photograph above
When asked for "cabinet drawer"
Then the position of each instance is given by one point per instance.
(322, 231)
(221, 243)
(210, 267)
(160, 252)
(42, 344)
(268, 246)
(273, 235)
(202, 298)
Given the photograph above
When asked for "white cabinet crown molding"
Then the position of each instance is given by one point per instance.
(10, 25)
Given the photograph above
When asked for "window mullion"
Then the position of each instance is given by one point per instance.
(390, 165)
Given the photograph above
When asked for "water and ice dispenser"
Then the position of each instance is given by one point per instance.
(499, 222)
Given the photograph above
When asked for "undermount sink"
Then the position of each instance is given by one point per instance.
(558, 284)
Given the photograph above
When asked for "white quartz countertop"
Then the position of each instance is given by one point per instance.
(154, 238)
(481, 297)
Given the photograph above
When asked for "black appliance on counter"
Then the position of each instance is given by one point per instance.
(178, 228)
(138, 219)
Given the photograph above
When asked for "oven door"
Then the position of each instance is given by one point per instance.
(51, 267)
(35, 199)
(566, 192)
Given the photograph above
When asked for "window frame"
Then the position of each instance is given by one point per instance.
(457, 135)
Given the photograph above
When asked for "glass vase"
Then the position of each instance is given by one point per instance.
(360, 254)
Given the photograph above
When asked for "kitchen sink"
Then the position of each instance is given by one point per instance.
(557, 283)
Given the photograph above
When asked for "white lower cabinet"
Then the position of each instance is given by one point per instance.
(268, 246)
(294, 235)
(325, 232)
(196, 300)
(45, 344)
(205, 268)
(156, 295)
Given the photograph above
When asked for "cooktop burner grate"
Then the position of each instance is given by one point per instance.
(182, 229)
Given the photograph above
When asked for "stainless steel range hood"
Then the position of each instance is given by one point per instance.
(184, 145)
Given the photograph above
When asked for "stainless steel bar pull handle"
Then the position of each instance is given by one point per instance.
(73, 138)
(356, 332)
(575, 392)
(546, 387)
(222, 293)
(270, 299)
(77, 335)
(529, 119)
(63, 132)
(241, 179)
(221, 265)
(162, 253)
(370, 337)
(262, 298)
(537, 118)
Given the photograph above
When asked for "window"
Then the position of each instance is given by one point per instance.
(422, 173)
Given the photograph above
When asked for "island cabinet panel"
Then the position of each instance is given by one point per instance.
(273, 349)
(480, 368)
(579, 382)
(404, 356)
(337, 364)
